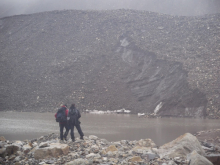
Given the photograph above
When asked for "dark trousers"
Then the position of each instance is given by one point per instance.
(62, 126)
(71, 127)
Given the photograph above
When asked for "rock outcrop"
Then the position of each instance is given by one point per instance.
(137, 60)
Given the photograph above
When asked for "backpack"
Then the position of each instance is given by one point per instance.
(61, 115)
(72, 115)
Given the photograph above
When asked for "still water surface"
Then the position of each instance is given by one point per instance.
(113, 127)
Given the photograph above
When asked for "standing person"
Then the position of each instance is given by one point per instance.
(61, 117)
(73, 120)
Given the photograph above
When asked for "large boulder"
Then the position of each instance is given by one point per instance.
(11, 149)
(2, 152)
(18, 143)
(196, 159)
(2, 138)
(181, 146)
(53, 150)
(214, 158)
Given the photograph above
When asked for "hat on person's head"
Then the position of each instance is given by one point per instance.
(65, 105)
(72, 106)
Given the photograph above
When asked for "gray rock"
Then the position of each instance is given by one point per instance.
(181, 146)
(78, 162)
(146, 143)
(92, 155)
(43, 144)
(2, 151)
(50, 161)
(11, 157)
(18, 143)
(151, 156)
(17, 159)
(171, 162)
(196, 159)
(26, 147)
(214, 158)
(11, 149)
(93, 137)
(54, 150)
(163, 164)
(2, 138)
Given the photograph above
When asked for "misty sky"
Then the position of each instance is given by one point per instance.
(174, 7)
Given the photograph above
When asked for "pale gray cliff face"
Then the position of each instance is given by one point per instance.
(107, 60)
(159, 86)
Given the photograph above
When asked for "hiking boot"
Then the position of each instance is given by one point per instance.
(73, 140)
(81, 137)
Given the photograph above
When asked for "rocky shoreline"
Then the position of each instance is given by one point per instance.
(185, 150)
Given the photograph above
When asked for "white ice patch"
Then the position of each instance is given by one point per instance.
(127, 56)
(108, 111)
(158, 107)
(124, 42)
(141, 114)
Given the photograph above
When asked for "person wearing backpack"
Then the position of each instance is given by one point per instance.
(61, 117)
(73, 120)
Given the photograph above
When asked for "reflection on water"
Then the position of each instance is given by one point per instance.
(113, 127)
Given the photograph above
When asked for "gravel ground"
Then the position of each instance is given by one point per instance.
(108, 60)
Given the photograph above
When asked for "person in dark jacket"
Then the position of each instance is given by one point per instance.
(63, 124)
(73, 120)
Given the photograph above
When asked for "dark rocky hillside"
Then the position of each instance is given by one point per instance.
(106, 60)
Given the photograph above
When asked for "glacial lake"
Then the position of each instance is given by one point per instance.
(112, 127)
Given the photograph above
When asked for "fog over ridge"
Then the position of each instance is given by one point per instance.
(173, 7)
